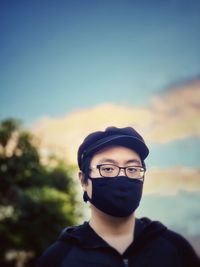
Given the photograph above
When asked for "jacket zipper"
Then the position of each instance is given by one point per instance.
(125, 261)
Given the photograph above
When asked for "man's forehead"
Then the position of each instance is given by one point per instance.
(116, 154)
(114, 148)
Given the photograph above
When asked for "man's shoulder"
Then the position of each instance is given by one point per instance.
(151, 229)
(56, 252)
(182, 247)
(178, 240)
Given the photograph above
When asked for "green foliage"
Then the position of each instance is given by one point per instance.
(7, 128)
(36, 201)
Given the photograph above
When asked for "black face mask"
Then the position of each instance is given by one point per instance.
(118, 196)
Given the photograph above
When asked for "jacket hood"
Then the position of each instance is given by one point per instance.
(145, 231)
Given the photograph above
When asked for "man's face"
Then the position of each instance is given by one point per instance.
(117, 155)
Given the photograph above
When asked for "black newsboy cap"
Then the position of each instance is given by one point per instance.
(127, 137)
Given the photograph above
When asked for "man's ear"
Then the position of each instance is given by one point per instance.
(81, 176)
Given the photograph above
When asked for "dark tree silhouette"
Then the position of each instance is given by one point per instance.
(36, 202)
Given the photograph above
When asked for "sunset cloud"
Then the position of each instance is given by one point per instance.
(171, 181)
(176, 114)
(170, 116)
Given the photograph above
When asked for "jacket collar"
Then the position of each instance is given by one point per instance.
(145, 230)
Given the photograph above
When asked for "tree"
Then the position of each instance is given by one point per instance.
(37, 201)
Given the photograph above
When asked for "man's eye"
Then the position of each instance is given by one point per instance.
(108, 169)
(132, 169)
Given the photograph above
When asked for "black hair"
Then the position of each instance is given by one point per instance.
(85, 168)
(143, 165)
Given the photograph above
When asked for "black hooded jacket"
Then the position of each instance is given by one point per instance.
(154, 246)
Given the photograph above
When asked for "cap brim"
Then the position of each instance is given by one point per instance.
(123, 140)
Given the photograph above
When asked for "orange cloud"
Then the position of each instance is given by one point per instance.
(170, 181)
(170, 116)
(176, 114)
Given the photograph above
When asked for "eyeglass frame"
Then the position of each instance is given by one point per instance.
(98, 166)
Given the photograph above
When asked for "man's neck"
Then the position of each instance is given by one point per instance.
(106, 225)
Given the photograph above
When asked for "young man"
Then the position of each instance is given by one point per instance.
(112, 170)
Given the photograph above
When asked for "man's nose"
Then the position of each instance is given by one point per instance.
(124, 173)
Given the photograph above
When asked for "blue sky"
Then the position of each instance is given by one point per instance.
(178, 153)
(59, 56)
(66, 55)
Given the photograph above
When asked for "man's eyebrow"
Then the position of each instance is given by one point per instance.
(133, 161)
(107, 160)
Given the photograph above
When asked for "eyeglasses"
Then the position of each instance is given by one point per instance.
(111, 170)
